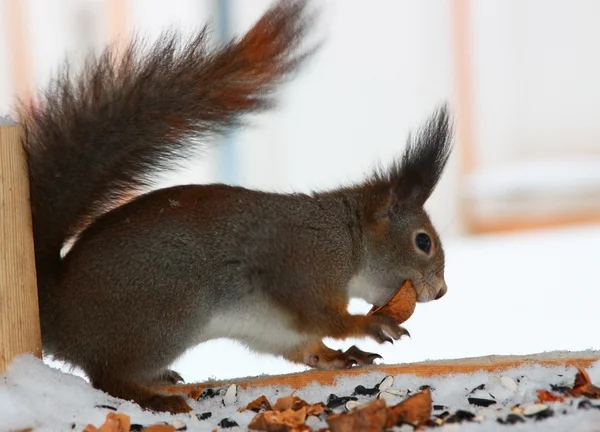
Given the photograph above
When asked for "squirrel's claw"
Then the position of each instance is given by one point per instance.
(385, 329)
(166, 379)
(362, 358)
(174, 377)
(372, 357)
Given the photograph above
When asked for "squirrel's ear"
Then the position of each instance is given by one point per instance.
(413, 177)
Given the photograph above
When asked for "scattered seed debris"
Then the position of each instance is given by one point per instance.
(509, 383)
(382, 407)
(230, 395)
(227, 423)
(531, 410)
(350, 405)
(208, 393)
(334, 401)
(481, 402)
(388, 397)
(363, 391)
(179, 425)
(460, 416)
(560, 388)
(587, 404)
(511, 419)
(479, 387)
(112, 408)
(386, 383)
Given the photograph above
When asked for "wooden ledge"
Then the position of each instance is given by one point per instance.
(492, 363)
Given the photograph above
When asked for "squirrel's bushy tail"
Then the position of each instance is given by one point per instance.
(95, 136)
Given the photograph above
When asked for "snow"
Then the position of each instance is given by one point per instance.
(33, 394)
(6, 120)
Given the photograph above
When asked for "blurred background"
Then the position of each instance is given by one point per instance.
(518, 208)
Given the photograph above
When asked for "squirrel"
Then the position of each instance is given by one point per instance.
(147, 279)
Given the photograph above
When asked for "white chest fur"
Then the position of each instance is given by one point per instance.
(258, 325)
(361, 286)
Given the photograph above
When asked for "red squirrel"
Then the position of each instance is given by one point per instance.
(148, 279)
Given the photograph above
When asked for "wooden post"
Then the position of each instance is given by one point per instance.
(19, 313)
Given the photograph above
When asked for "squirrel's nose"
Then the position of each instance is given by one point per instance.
(441, 292)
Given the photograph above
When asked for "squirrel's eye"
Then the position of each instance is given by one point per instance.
(423, 242)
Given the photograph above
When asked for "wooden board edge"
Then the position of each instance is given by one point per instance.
(329, 377)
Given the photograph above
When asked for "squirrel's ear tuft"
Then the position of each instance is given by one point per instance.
(413, 177)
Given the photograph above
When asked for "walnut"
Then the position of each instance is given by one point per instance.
(401, 306)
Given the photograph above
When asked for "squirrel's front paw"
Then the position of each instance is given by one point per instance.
(319, 356)
(385, 329)
(329, 359)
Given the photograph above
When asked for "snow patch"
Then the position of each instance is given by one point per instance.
(34, 394)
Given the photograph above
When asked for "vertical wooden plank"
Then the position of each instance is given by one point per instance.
(19, 312)
(464, 83)
(118, 20)
(463, 73)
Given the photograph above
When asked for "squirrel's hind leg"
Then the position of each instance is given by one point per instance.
(143, 396)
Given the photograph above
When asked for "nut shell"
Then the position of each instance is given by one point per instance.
(401, 306)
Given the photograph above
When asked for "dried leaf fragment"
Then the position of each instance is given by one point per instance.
(370, 418)
(273, 421)
(195, 394)
(583, 386)
(301, 428)
(401, 306)
(546, 396)
(115, 422)
(289, 402)
(159, 428)
(415, 410)
(258, 404)
(315, 409)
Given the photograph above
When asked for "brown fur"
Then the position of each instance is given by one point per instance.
(170, 269)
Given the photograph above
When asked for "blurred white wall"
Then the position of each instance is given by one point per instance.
(384, 67)
(350, 108)
(537, 64)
